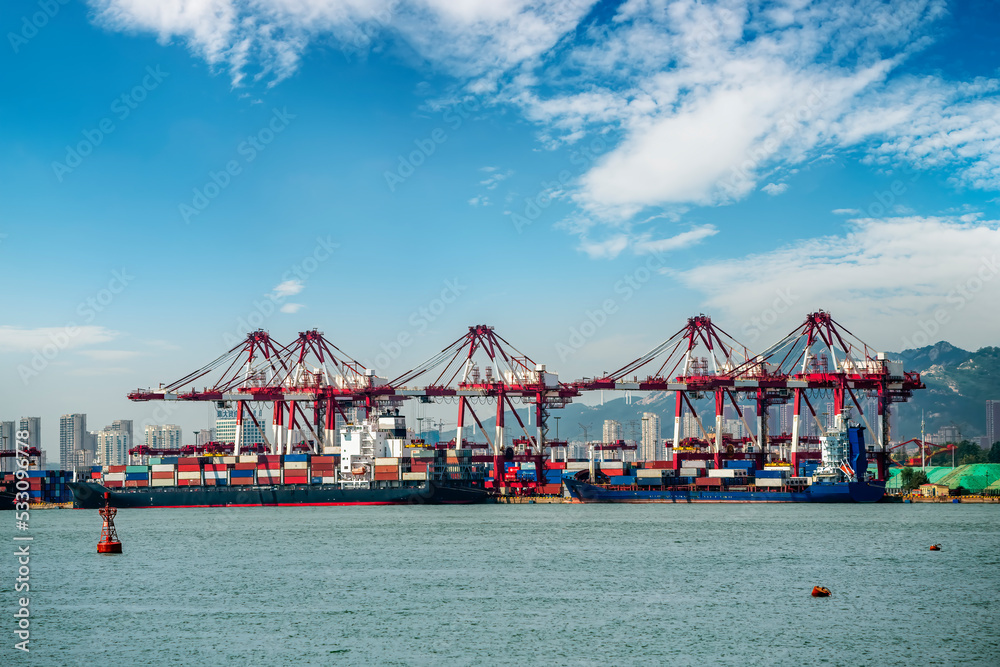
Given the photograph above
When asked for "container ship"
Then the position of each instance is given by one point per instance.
(373, 467)
(841, 476)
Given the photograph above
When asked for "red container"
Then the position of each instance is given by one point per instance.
(383, 476)
(188, 468)
(552, 489)
(163, 475)
(189, 482)
(188, 460)
(555, 465)
(660, 465)
(116, 468)
(241, 481)
(114, 485)
(296, 480)
(708, 481)
(215, 466)
(134, 483)
(245, 466)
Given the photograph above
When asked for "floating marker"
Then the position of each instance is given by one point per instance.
(109, 543)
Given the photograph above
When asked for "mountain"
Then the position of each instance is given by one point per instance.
(959, 383)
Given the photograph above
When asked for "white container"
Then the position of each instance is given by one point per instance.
(414, 476)
(769, 481)
(188, 475)
(161, 482)
(229, 459)
(690, 472)
(164, 467)
(386, 461)
(329, 480)
(114, 477)
(248, 458)
(647, 472)
(296, 465)
(722, 472)
(577, 465)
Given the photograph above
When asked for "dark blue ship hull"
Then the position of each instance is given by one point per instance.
(841, 492)
(90, 495)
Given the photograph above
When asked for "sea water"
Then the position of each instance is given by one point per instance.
(513, 584)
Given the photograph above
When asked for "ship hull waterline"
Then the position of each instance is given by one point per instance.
(91, 495)
(845, 492)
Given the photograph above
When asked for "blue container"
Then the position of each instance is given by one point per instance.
(94, 469)
(740, 465)
(296, 457)
(166, 460)
(38, 473)
(237, 474)
(624, 480)
(649, 481)
(770, 474)
(136, 475)
(316, 480)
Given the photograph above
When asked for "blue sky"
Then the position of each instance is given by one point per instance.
(734, 158)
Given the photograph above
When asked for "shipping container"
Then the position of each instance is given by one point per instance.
(296, 465)
(621, 480)
(414, 476)
(769, 481)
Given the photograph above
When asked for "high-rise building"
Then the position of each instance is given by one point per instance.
(72, 438)
(690, 428)
(164, 436)
(8, 440)
(33, 425)
(651, 448)
(225, 426)
(612, 431)
(204, 436)
(114, 442)
(992, 422)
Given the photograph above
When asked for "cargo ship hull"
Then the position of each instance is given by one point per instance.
(843, 492)
(90, 495)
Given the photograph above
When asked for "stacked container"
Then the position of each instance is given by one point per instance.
(216, 474)
(296, 469)
(323, 469)
(386, 469)
(136, 476)
(163, 474)
(243, 473)
(188, 471)
(269, 469)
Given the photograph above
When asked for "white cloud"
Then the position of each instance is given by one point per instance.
(698, 100)
(14, 339)
(474, 38)
(110, 355)
(292, 307)
(288, 288)
(775, 189)
(846, 211)
(885, 277)
(495, 177)
(608, 249)
(677, 242)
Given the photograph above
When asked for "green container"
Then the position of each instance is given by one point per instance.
(136, 468)
(155, 460)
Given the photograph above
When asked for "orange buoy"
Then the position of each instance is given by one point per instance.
(820, 592)
(935, 547)
(109, 543)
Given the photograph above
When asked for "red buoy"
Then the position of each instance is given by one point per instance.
(820, 592)
(935, 547)
(109, 543)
